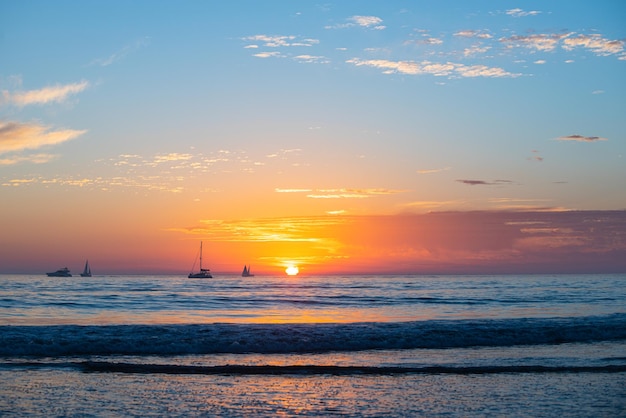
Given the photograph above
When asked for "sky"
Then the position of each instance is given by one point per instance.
(341, 137)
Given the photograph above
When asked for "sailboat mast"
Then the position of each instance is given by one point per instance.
(200, 255)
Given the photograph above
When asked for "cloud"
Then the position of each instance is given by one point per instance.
(58, 94)
(436, 69)
(371, 22)
(548, 42)
(268, 55)
(15, 136)
(368, 21)
(33, 158)
(277, 41)
(311, 59)
(351, 193)
(596, 43)
(540, 42)
(279, 190)
(581, 138)
(475, 50)
(432, 171)
(473, 34)
(484, 183)
(116, 56)
(429, 41)
(521, 13)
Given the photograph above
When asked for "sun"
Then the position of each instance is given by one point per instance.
(292, 270)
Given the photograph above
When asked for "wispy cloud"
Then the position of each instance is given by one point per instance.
(539, 41)
(522, 13)
(596, 43)
(581, 138)
(116, 56)
(473, 34)
(53, 94)
(268, 55)
(548, 42)
(485, 183)
(433, 170)
(433, 68)
(475, 50)
(368, 21)
(15, 136)
(351, 193)
(311, 59)
(343, 193)
(263, 230)
(279, 190)
(277, 41)
(32, 158)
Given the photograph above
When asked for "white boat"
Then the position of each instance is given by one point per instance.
(203, 273)
(246, 272)
(64, 272)
(87, 271)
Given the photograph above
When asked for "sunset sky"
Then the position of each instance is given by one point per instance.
(341, 137)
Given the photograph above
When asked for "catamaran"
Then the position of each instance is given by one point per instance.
(87, 271)
(203, 273)
(64, 272)
(246, 272)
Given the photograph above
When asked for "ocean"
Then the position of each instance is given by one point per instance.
(353, 346)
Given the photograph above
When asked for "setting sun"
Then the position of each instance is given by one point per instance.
(292, 270)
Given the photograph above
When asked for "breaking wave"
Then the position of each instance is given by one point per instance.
(169, 340)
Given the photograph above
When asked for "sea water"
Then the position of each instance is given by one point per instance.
(509, 345)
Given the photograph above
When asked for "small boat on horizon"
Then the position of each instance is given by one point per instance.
(246, 272)
(203, 273)
(64, 272)
(87, 271)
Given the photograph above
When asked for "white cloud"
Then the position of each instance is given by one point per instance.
(596, 43)
(116, 56)
(436, 69)
(521, 13)
(473, 34)
(368, 21)
(58, 94)
(267, 54)
(311, 59)
(540, 42)
(475, 50)
(277, 41)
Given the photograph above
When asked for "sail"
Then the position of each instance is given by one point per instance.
(87, 270)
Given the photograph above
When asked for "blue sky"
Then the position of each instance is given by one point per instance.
(308, 109)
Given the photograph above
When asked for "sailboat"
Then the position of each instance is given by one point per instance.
(246, 272)
(203, 273)
(87, 271)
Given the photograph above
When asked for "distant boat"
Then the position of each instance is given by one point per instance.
(203, 273)
(246, 272)
(64, 272)
(87, 271)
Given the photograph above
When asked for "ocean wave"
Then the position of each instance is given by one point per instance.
(168, 340)
(309, 369)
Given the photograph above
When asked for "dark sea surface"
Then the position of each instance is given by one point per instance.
(510, 345)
